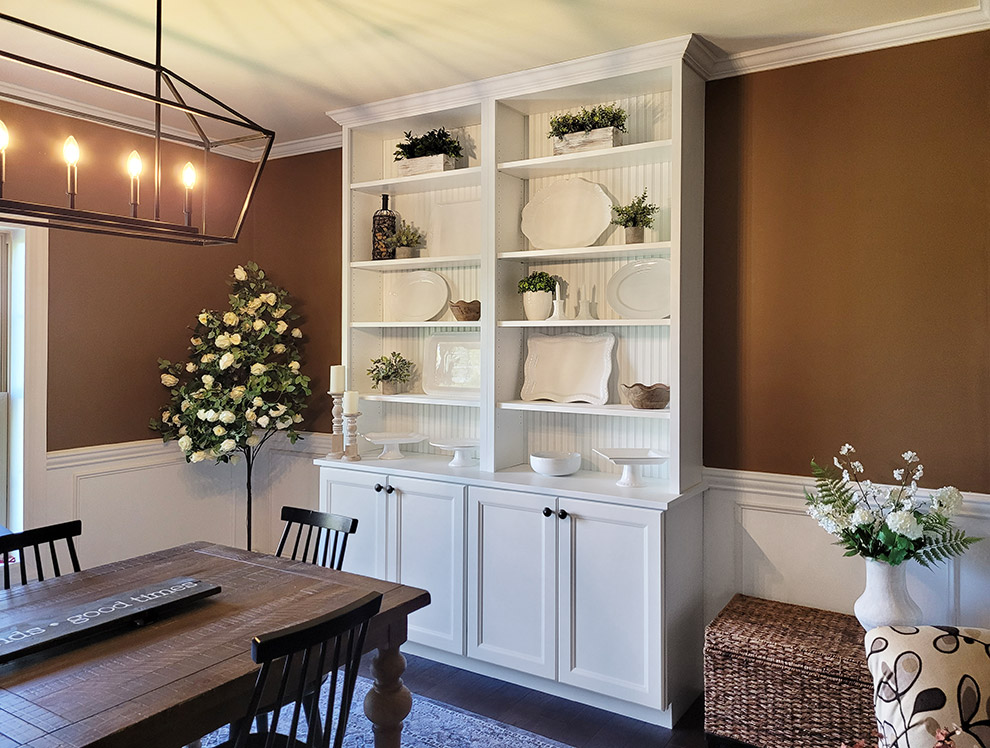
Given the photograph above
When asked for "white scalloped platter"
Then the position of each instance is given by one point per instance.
(568, 368)
(567, 213)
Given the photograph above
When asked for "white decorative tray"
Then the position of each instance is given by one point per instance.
(630, 460)
(452, 365)
(568, 368)
(391, 441)
(567, 213)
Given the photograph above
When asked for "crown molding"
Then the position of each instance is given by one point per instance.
(306, 145)
(896, 34)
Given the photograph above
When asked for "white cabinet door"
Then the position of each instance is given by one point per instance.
(512, 580)
(609, 577)
(353, 494)
(426, 531)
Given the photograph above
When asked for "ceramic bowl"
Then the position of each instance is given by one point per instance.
(555, 463)
(653, 396)
(466, 311)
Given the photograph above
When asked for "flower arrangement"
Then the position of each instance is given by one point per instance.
(241, 384)
(637, 213)
(406, 235)
(392, 368)
(586, 120)
(886, 523)
(433, 143)
(537, 281)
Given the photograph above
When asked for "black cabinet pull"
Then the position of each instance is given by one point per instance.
(389, 489)
(562, 514)
(378, 487)
(547, 511)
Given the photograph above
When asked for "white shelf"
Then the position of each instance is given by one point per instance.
(587, 253)
(441, 180)
(437, 323)
(419, 262)
(544, 406)
(585, 323)
(572, 163)
(420, 399)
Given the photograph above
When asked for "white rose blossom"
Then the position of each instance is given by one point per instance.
(279, 313)
(250, 415)
(212, 415)
(263, 422)
(294, 367)
(191, 367)
(166, 414)
(235, 339)
(281, 327)
(197, 456)
(227, 416)
(240, 274)
(208, 358)
(169, 381)
(196, 340)
(297, 418)
(207, 380)
(186, 405)
(269, 298)
(185, 443)
(296, 332)
(238, 392)
(278, 348)
(219, 430)
(253, 441)
(203, 318)
(228, 445)
(226, 361)
(258, 369)
(283, 424)
(258, 402)
(259, 324)
(277, 411)
(230, 319)
(222, 341)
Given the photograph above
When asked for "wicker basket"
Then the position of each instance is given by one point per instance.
(779, 675)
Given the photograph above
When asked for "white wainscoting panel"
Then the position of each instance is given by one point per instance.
(759, 541)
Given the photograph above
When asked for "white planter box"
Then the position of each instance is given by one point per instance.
(425, 165)
(603, 137)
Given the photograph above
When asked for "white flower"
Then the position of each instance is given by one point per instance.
(219, 430)
(230, 319)
(258, 369)
(203, 318)
(846, 449)
(191, 367)
(240, 274)
(277, 411)
(186, 405)
(235, 339)
(263, 422)
(257, 402)
(863, 516)
(182, 431)
(175, 419)
(197, 456)
(222, 341)
(227, 416)
(166, 415)
(294, 367)
(169, 381)
(253, 441)
(899, 474)
(857, 466)
(918, 473)
(196, 340)
(207, 381)
(835, 461)
(845, 476)
(909, 456)
(226, 361)
(946, 501)
(254, 303)
(281, 327)
(259, 324)
(228, 445)
(283, 424)
(201, 414)
(269, 298)
(238, 392)
(904, 523)
(832, 521)
(278, 348)
(297, 418)
(296, 332)
(279, 313)
(251, 415)
(185, 443)
(208, 358)
(212, 415)
(235, 459)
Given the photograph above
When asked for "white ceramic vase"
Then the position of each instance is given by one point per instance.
(537, 304)
(885, 601)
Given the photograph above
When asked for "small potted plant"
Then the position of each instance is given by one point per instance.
(406, 239)
(636, 217)
(589, 129)
(432, 151)
(537, 290)
(390, 372)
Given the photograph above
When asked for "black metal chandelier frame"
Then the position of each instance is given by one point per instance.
(53, 216)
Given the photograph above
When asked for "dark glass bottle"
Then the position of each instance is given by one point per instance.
(382, 227)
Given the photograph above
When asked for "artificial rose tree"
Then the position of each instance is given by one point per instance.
(241, 384)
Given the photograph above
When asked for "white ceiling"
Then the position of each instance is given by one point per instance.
(284, 63)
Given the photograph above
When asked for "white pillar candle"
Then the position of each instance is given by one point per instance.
(337, 378)
(350, 402)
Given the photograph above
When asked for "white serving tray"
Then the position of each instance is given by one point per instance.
(567, 213)
(452, 365)
(568, 368)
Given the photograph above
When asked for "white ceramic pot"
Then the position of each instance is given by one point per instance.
(885, 601)
(537, 304)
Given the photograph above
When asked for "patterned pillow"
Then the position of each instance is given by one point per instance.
(928, 677)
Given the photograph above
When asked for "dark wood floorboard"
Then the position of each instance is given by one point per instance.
(568, 722)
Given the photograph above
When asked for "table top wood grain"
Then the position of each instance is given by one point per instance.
(178, 678)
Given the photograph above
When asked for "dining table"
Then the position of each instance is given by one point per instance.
(172, 677)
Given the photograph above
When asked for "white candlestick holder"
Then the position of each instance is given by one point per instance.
(337, 435)
(351, 438)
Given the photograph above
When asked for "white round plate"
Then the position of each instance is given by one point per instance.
(641, 290)
(568, 213)
(418, 296)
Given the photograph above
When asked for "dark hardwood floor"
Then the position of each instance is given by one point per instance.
(565, 721)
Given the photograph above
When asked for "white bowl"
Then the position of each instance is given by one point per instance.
(555, 463)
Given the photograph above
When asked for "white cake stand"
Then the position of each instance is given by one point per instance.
(631, 460)
(391, 441)
(462, 449)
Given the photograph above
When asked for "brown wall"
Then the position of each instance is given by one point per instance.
(117, 305)
(847, 237)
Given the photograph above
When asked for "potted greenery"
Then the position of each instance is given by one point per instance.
(589, 129)
(432, 151)
(405, 240)
(390, 372)
(636, 217)
(537, 290)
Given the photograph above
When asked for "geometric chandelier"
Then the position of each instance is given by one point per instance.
(132, 112)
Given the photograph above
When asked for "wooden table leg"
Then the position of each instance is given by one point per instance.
(389, 701)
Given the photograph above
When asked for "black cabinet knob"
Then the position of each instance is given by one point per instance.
(547, 511)
(562, 514)
(389, 489)
(378, 487)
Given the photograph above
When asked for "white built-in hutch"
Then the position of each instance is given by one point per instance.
(571, 585)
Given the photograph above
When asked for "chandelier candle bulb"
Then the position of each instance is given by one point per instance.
(134, 170)
(70, 152)
(188, 181)
(4, 140)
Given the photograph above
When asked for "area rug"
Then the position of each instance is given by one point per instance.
(430, 724)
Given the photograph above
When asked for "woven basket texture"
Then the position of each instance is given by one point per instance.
(786, 675)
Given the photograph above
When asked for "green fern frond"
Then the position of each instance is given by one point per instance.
(953, 542)
(831, 488)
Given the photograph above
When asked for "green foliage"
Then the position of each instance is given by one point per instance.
(391, 368)
(241, 384)
(586, 120)
(431, 143)
(637, 213)
(537, 281)
(406, 235)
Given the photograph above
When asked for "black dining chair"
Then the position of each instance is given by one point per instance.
(330, 542)
(32, 541)
(292, 661)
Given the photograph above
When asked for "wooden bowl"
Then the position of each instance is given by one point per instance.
(648, 396)
(466, 311)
